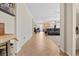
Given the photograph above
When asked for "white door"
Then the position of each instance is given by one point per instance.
(68, 25)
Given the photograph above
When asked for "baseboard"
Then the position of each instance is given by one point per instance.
(23, 44)
(62, 50)
(68, 53)
(18, 50)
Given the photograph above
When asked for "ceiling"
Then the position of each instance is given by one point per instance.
(44, 11)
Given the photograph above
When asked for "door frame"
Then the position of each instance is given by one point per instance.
(64, 11)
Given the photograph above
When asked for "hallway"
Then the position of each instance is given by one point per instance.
(39, 45)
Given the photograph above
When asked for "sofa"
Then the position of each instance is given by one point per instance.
(53, 31)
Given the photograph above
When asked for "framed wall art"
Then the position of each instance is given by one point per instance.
(8, 8)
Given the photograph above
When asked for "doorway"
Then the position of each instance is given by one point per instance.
(77, 29)
(47, 18)
(68, 26)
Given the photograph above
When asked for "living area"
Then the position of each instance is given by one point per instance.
(46, 19)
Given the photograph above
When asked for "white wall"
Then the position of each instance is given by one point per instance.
(77, 20)
(62, 25)
(68, 29)
(24, 24)
(77, 14)
(70, 17)
(68, 25)
(9, 22)
(77, 24)
(77, 43)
